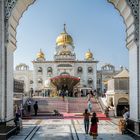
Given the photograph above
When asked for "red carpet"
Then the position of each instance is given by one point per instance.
(101, 116)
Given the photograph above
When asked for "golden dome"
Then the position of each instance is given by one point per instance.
(88, 55)
(64, 39)
(40, 55)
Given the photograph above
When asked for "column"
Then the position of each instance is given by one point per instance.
(2, 63)
(9, 81)
(134, 87)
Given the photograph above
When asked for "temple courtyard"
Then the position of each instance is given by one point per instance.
(70, 129)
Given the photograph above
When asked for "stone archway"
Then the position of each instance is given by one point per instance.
(10, 13)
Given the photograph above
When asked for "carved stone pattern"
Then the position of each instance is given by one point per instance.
(9, 5)
(134, 5)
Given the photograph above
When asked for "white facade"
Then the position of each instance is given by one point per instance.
(23, 73)
(10, 14)
(63, 67)
(64, 63)
(117, 94)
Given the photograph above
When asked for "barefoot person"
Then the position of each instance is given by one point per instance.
(86, 115)
(94, 126)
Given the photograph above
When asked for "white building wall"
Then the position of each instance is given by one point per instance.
(80, 75)
(45, 76)
(133, 83)
(84, 76)
(34, 77)
(26, 76)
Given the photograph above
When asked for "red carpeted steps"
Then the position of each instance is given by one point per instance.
(50, 104)
(70, 105)
(78, 105)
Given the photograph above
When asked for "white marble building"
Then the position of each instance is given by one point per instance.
(81, 73)
(117, 94)
(10, 13)
(22, 72)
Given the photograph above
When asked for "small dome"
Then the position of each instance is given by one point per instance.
(64, 39)
(88, 55)
(40, 55)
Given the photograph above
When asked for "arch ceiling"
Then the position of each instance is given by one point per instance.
(128, 9)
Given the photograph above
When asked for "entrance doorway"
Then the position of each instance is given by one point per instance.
(65, 84)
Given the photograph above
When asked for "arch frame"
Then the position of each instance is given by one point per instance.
(10, 13)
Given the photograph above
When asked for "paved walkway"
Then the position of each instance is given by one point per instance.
(66, 129)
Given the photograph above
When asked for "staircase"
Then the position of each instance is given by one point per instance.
(78, 105)
(70, 105)
(50, 104)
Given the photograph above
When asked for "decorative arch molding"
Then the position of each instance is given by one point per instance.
(14, 10)
(10, 13)
(128, 9)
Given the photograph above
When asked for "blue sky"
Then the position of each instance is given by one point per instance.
(93, 24)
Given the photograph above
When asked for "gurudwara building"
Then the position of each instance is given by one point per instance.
(64, 72)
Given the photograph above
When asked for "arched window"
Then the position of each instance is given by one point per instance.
(90, 81)
(40, 81)
(79, 70)
(49, 70)
(31, 81)
(90, 69)
(98, 81)
(40, 70)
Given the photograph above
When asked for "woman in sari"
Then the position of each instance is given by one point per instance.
(94, 126)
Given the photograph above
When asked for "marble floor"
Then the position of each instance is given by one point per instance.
(67, 129)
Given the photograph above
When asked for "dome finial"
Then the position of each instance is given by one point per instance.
(88, 55)
(64, 38)
(40, 55)
(64, 27)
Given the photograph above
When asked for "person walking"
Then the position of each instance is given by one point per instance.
(63, 95)
(17, 124)
(29, 106)
(86, 115)
(126, 119)
(89, 106)
(36, 108)
(94, 126)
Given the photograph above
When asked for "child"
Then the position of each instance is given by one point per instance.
(86, 120)
(94, 126)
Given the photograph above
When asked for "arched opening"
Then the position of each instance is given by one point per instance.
(128, 10)
(122, 103)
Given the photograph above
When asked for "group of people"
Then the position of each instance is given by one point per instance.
(94, 123)
(35, 106)
(123, 123)
(19, 113)
(93, 131)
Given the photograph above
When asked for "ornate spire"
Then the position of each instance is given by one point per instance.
(40, 50)
(64, 27)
